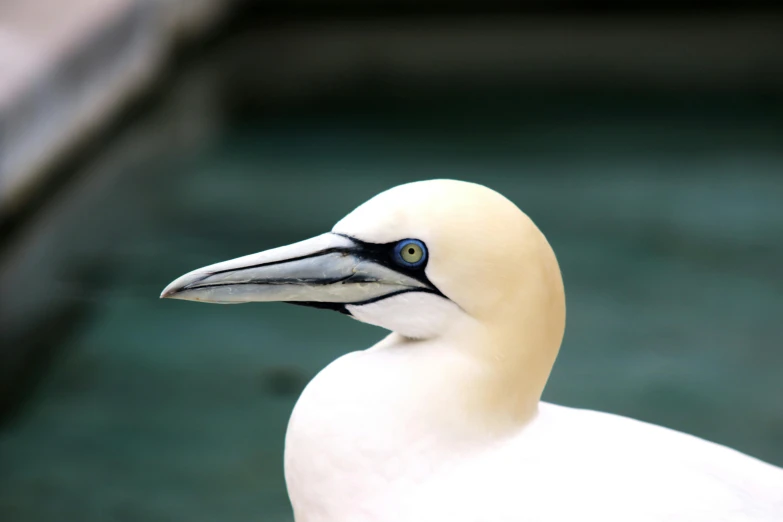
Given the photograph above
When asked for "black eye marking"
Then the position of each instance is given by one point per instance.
(385, 254)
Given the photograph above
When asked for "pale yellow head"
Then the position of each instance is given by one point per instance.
(491, 260)
(489, 283)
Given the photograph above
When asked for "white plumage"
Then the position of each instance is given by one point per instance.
(442, 420)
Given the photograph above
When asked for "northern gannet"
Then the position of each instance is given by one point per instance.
(442, 419)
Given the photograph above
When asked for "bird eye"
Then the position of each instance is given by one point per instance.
(410, 252)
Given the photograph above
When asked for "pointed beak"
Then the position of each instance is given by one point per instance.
(330, 269)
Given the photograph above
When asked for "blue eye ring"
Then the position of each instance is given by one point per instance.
(413, 246)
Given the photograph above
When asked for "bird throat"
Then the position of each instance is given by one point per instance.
(396, 413)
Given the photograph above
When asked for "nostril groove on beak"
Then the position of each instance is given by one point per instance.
(358, 277)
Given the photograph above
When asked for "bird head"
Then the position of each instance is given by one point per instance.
(426, 259)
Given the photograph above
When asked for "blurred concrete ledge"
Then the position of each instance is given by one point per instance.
(68, 66)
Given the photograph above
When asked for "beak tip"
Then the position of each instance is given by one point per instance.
(169, 291)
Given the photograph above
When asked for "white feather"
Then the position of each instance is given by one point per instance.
(441, 421)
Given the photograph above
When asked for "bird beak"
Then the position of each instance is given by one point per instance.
(327, 271)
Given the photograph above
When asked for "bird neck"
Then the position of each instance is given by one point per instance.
(489, 375)
(405, 407)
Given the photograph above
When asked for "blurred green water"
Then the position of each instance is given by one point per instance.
(665, 213)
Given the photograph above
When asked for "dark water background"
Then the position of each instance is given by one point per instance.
(665, 210)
